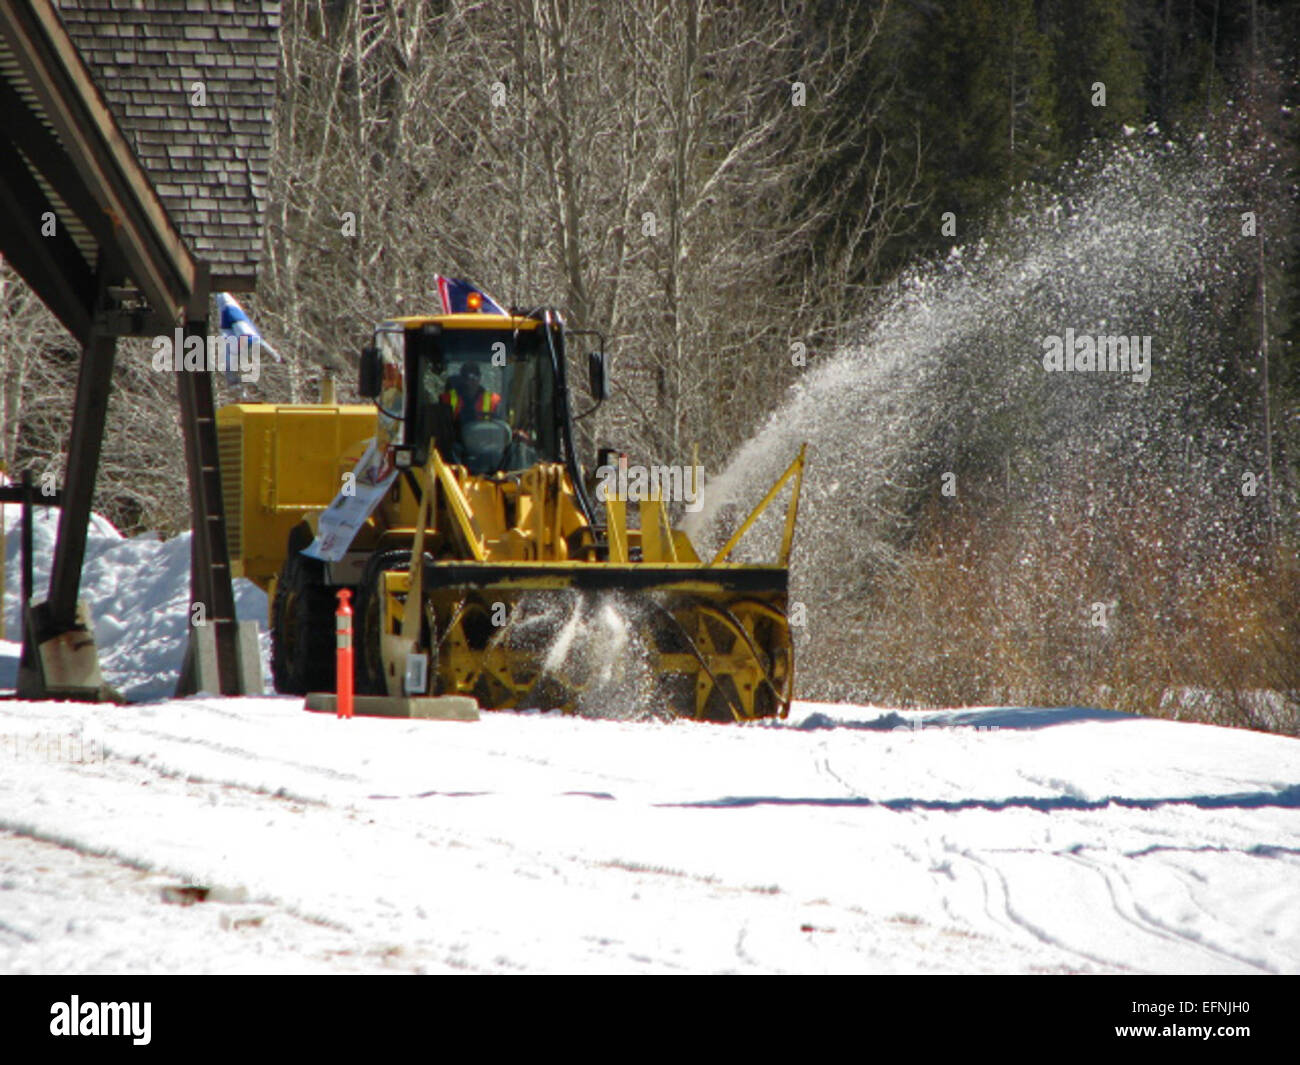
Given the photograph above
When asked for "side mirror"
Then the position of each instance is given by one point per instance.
(369, 374)
(598, 372)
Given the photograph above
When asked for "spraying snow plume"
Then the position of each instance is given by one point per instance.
(592, 648)
(949, 375)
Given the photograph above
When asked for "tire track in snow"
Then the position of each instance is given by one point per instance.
(241, 753)
(1009, 922)
(1012, 920)
(1129, 909)
(1123, 897)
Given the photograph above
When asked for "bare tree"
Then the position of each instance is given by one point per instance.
(27, 331)
(657, 168)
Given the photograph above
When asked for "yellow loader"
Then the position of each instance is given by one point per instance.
(534, 584)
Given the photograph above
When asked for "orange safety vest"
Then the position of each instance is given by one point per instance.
(487, 402)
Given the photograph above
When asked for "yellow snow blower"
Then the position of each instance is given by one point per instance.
(533, 585)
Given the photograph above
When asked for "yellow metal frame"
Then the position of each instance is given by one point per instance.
(720, 646)
(795, 470)
(734, 648)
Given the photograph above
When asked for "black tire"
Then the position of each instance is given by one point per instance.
(302, 628)
(368, 673)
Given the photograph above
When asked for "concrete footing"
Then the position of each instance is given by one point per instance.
(62, 665)
(424, 708)
(199, 669)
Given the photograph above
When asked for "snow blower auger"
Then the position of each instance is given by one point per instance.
(521, 596)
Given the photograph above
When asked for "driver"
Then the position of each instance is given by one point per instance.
(468, 400)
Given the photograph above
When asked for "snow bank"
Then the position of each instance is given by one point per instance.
(138, 591)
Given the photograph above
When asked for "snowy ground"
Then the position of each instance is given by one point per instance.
(221, 835)
(846, 840)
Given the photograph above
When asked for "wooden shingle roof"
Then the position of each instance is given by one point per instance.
(192, 85)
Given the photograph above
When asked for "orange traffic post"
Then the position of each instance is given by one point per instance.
(343, 667)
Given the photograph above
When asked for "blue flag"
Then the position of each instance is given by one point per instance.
(235, 324)
(461, 297)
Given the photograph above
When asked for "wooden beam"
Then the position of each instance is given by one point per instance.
(210, 582)
(51, 264)
(154, 254)
(48, 157)
(93, 383)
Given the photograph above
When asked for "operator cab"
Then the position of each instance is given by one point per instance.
(482, 390)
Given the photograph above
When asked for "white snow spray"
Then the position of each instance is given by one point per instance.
(592, 651)
(951, 366)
